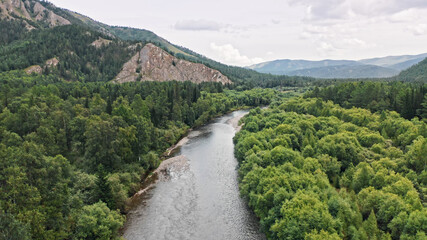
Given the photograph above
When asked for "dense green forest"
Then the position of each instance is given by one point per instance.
(11, 31)
(311, 169)
(72, 153)
(410, 100)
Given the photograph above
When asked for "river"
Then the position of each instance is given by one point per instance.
(198, 196)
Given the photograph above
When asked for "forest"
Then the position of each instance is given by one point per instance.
(73, 153)
(410, 100)
(311, 169)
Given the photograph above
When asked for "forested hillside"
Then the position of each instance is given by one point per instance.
(417, 73)
(313, 170)
(410, 100)
(72, 153)
(79, 59)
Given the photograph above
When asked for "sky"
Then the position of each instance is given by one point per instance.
(246, 32)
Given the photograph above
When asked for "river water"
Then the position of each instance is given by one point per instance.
(200, 198)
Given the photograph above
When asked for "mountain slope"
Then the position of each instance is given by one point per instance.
(154, 64)
(417, 73)
(80, 53)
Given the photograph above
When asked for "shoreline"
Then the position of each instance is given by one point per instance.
(180, 143)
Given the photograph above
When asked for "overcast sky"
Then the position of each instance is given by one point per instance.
(244, 32)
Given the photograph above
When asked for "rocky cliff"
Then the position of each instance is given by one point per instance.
(31, 12)
(154, 64)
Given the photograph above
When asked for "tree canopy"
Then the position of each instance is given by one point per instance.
(311, 169)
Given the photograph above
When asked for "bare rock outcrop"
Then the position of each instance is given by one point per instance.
(14, 7)
(31, 11)
(53, 62)
(154, 64)
(34, 69)
(50, 63)
(100, 42)
(44, 14)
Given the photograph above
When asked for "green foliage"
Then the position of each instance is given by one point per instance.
(312, 169)
(322, 235)
(304, 212)
(11, 31)
(12, 229)
(404, 98)
(97, 221)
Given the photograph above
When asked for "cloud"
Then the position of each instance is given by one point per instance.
(208, 25)
(334, 38)
(408, 16)
(275, 21)
(418, 30)
(231, 55)
(344, 9)
(199, 25)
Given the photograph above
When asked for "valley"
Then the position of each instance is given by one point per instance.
(90, 115)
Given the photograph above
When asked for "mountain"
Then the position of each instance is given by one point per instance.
(396, 62)
(343, 71)
(288, 66)
(366, 68)
(80, 47)
(26, 24)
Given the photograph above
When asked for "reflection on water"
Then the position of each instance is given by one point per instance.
(200, 201)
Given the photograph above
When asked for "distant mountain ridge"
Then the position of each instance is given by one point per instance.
(346, 71)
(395, 62)
(366, 68)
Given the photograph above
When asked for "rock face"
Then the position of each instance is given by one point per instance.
(31, 11)
(100, 42)
(154, 64)
(34, 69)
(53, 62)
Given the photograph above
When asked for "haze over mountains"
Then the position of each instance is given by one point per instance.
(367, 68)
